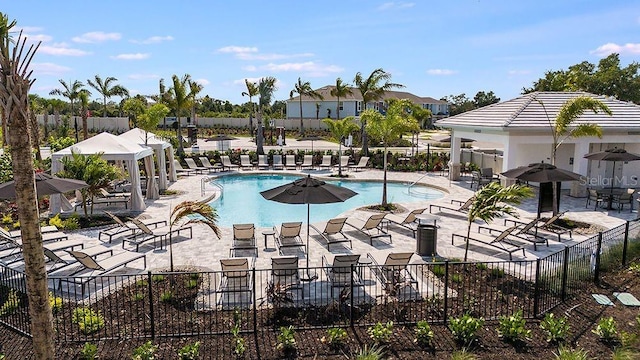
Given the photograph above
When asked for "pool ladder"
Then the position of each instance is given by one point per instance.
(210, 181)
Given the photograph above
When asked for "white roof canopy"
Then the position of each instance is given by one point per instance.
(159, 145)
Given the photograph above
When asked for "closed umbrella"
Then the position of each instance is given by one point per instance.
(311, 138)
(308, 191)
(45, 185)
(614, 155)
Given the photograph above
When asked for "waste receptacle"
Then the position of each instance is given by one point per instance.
(426, 240)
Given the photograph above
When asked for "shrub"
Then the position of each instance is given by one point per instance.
(89, 351)
(511, 328)
(424, 334)
(137, 296)
(55, 302)
(438, 270)
(88, 320)
(11, 305)
(556, 329)
(497, 272)
(381, 333)
(166, 296)
(464, 328)
(239, 344)
(70, 223)
(192, 284)
(157, 278)
(456, 278)
(335, 337)
(145, 351)
(286, 339)
(481, 266)
(463, 355)
(607, 329)
(370, 353)
(565, 353)
(189, 351)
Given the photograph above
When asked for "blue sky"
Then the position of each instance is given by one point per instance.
(434, 48)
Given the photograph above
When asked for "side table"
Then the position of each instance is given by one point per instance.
(362, 263)
(266, 234)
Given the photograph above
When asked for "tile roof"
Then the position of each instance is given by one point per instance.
(325, 91)
(526, 112)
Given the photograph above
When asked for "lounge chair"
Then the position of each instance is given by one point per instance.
(543, 227)
(46, 236)
(193, 166)
(624, 198)
(226, 163)
(245, 162)
(285, 274)
(122, 227)
(341, 271)
(374, 222)
(277, 162)
(236, 283)
(500, 242)
(408, 221)
(326, 162)
(523, 231)
(107, 194)
(393, 271)
(463, 208)
(12, 247)
(362, 164)
(332, 228)
(206, 163)
(161, 233)
(344, 162)
(91, 267)
(181, 170)
(60, 261)
(289, 236)
(43, 229)
(290, 162)
(263, 162)
(244, 238)
(307, 162)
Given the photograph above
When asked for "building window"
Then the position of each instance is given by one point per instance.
(341, 105)
(359, 106)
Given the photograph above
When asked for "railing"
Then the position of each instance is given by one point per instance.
(210, 181)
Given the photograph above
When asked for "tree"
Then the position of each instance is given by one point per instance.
(483, 99)
(14, 89)
(179, 100)
(494, 200)
(134, 107)
(341, 90)
(459, 104)
(83, 97)
(423, 116)
(303, 89)
(340, 129)
(107, 89)
(150, 120)
(563, 127)
(35, 106)
(252, 90)
(71, 91)
(194, 89)
(57, 105)
(266, 88)
(372, 88)
(389, 128)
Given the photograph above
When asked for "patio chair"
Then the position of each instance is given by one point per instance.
(408, 221)
(524, 231)
(332, 228)
(393, 271)
(362, 164)
(60, 261)
(245, 162)
(326, 162)
(244, 238)
(43, 229)
(226, 163)
(289, 236)
(107, 194)
(50, 235)
(161, 233)
(463, 208)
(122, 227)
(374, 222)
(597, 197)
(181, 170)
(277, 162)
(344, 162)
(307, 162)
(193, 166)
(624, 198)
(285, 274)
(206, 163)
(342, 271)
(290, 162)
(236, 282)
(479, 180)
(499, 242)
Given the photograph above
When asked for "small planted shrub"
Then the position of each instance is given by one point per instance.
(566, 353)
(456, 278)
(607, 330)
(239, 344)
(55, 302)
(481, 266)
(463, 355)
(157, 278)
(438, 270)
(286, 339)
(370, 353)
(166, 296)
(512, 328)
(137, 296)
(465, 328)
(192, 284)
(88, 320)
(497, 272)
(424, 334)
(555, 328)
(89, 351)
(141, 283)
(381, 333)
(145, 351)
(189, 351)
(11, 305)
(335, 337)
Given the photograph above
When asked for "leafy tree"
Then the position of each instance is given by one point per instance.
(389, 128)
(483, 99)
(134, 107)
(372, 88)
(459, 104)
(266, 88)
(303, 89)
(57, 105)
(71, 91)
(194, 89)
(340, 129)
(14, 101)
(252, 90)
(150, 120)
(180, 99)
(422, 116)
(494, 200)
(107, 89)
(341, 90)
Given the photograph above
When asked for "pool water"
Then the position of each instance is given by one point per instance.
(241, 201)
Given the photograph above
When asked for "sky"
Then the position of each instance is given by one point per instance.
(434, 48)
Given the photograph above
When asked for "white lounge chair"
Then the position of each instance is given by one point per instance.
(122, 227)
(307, 162)
(285, 273)
(341, 271)
(244, 238)
(226, 163)
(206, 163)
(331, 230)
(181, 170)
(161, 233)
(290, 162)
(277, 162)
(263, 162)
(373, 223)
(236, 282)
(193, 166)
(326, 162)
(289, 236)
(408, 221)
(362, 164)
(245, 162)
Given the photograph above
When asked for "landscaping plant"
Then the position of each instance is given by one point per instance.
(11, 305)
(87, 319)
(145, 351)
(424, 334)
(566, 353)
(556, 329)
(286, 339)
(89, 351)
(335, 337)
(465, 328)
(381, 333)
(55, 302)
(512, 328)
(370, 353)
(189, 351)
(607, 330)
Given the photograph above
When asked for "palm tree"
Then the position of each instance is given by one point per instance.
(195, 88)
(35, 106)
(563, 129)
(494, 200)
(57, 105)
(304, 89)
(14, 100)
(388, 129)
(72, 92)
(371, 89)
(185, 210)
(83, 97)
(107, 90)
(340, 91)
(252, 90)
(179, 98)
(266, 88)
(340, 130)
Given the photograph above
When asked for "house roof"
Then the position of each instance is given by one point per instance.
(527, 111)
(355, 95)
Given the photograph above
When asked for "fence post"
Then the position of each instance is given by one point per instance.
(351, 296)
(150, 297)
(255, 307)
(596, 272)
(536, 292)
(446, 288)
(626, 243)
(565, 274)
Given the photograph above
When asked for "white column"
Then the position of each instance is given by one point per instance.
(454, 167)
(580, 166)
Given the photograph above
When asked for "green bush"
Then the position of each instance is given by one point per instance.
(370, 353)
(438, 270)
(607, 329)
(145, 351)
(89, 351)
(157, 278)
(189, 351)
(424, 334)
(465, 328)
(335, 337)
(381, 333)
(512, 328)
(55, 302)
(11, 305)
(286, 339)
(166, 296)
(556, 329)
(88, 320)
(565, 353)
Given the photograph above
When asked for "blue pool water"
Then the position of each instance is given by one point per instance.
(241, 201)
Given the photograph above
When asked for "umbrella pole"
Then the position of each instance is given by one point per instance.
(308, 276)
(613, 180)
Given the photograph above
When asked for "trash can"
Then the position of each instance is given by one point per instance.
(192, 133)
(426, 240)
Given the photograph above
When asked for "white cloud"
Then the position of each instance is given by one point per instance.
(309, 68)
(396, 5)
(143, 76)
(203, 82)
(49, 69)
(136, 56)
(241, 81)
(37, 37)
(441, 72)
(96, 37)
(519, 72)
(61, 49)
(270, 57)
(237, 49)
(250, 68)
(153, 40)
(610, 48)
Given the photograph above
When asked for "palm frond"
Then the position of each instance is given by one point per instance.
(196, 212)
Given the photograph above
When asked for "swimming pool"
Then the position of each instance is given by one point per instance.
(241, 201)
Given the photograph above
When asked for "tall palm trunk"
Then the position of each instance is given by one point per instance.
(259, 135)
(384, 180)
(301, 122)
(338, 109)
(35, 134)
(46, 124)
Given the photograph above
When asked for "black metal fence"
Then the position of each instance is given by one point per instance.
(199, 303)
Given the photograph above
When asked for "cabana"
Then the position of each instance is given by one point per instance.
(112, 148)
(161, 147)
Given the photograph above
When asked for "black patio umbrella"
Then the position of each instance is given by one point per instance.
(614, 155)
(448, 140)
(45, 185)
(311, 138)
(220, 137)
(308, 191)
